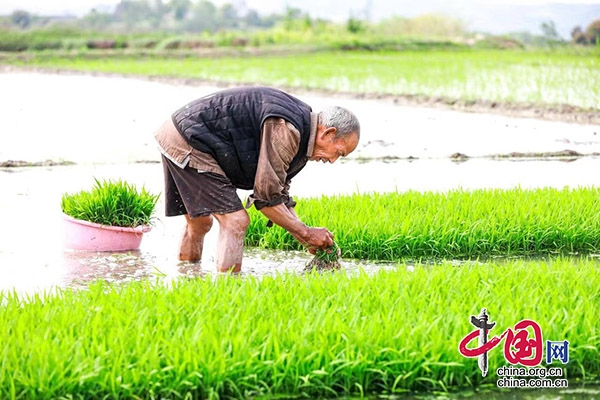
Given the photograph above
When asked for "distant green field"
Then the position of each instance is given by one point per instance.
(551, 77)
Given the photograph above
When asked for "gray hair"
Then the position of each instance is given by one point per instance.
(342, 119)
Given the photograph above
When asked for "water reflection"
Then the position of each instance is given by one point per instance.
(84, 267)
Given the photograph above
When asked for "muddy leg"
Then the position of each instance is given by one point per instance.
(192, 241)
(231, 240)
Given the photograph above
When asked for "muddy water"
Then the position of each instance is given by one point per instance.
(98, 119)
(105, 125)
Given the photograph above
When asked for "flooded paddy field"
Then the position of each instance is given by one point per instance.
(99, 127)
(32, 254)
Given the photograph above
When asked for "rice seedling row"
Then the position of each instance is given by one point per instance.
(455, 224)
(541, 77)
(326, 334)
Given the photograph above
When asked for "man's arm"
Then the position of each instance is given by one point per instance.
(279, 145)
(288, 220)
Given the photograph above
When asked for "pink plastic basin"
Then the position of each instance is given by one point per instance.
(84, 235)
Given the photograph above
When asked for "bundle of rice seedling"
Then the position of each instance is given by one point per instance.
(325, 260)
(113, 203)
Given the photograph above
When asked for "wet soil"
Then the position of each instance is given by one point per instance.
(563, 155)
(325, 260)
(319, 265)
(22, 163)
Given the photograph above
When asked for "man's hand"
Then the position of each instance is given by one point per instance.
(318, 238)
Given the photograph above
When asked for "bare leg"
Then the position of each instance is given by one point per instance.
(192, 241)
(231, 240)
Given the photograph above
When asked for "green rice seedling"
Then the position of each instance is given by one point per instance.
(115, 203)
(313, 335)
(455, 224)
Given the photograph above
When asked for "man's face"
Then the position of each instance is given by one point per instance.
(329, 149)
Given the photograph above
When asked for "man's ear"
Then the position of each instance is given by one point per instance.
(331, 131)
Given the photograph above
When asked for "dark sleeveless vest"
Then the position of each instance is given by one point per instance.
(228, 125)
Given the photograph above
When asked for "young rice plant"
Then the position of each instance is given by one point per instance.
(115, 203)
(454, 224)
(314, 335)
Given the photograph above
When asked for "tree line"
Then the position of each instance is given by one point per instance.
(203, 16)
(156, 15)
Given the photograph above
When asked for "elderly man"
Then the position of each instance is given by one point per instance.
(254, 138)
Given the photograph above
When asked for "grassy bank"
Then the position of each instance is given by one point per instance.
(552, 77)
(456, 224)
(318, 335)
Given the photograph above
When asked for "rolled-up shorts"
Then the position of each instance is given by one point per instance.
(197, 193)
